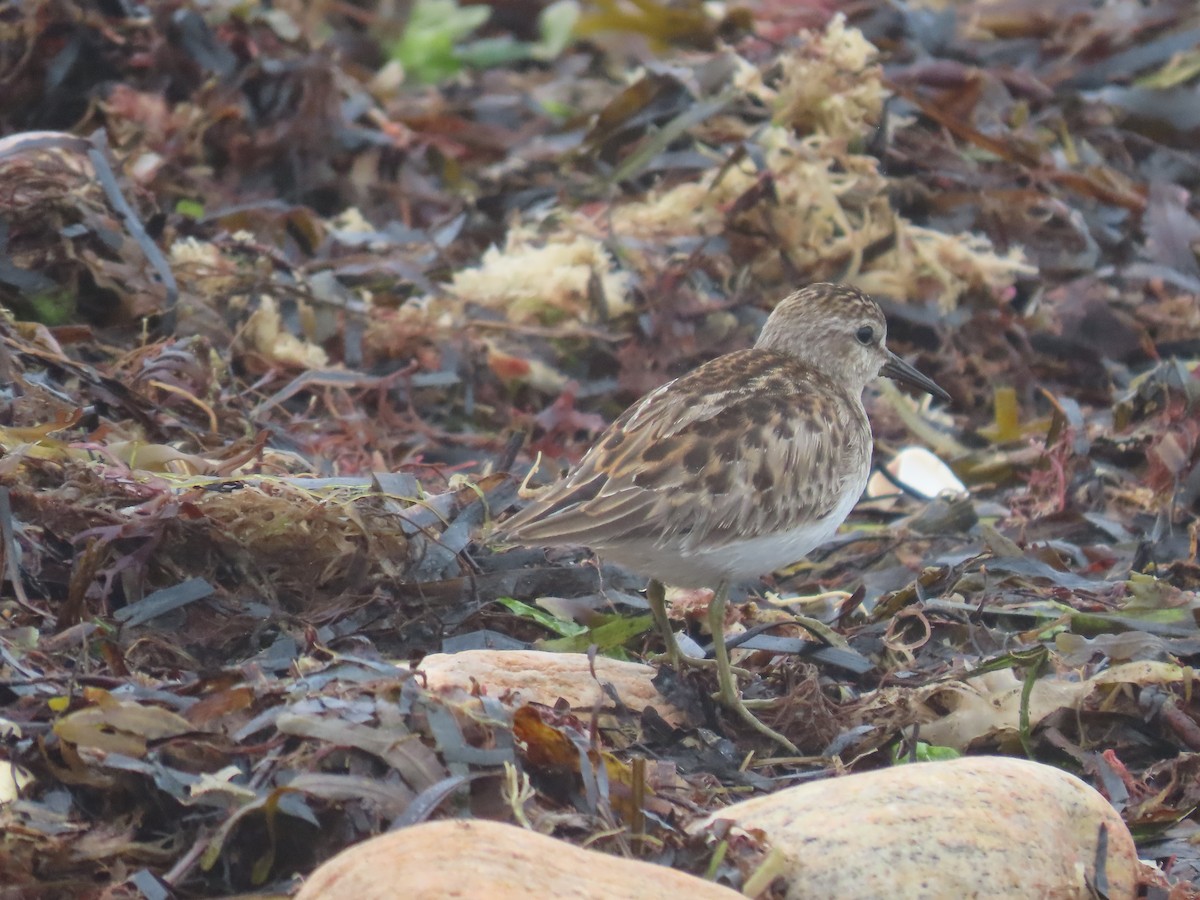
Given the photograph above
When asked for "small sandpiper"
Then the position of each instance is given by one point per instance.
(736, 469)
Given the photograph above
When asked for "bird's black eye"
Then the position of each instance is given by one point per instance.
(865, 335)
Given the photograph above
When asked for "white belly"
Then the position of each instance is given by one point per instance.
(734, 561)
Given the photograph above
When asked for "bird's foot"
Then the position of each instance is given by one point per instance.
(728, 694)
(676, 658)
(756, 704)
(729, 697)
(680, 660)
(656, 595)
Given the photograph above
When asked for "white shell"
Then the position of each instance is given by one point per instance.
(919, 471)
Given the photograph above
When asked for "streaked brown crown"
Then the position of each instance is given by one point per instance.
(820, 325)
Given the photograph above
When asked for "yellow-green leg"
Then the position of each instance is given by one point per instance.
(656, 595)
(728, 694)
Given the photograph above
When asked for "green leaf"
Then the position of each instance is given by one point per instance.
(191, 209)
(488, 53)
(1179, 69)
(435, 43)
(427, 49)
(556, 25)
(51, 307)
(559, 626)
(924, 753)
(609, 637)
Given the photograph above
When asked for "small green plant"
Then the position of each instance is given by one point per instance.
(191, 209)
(55, 306)
(924, 753)
(436, 46)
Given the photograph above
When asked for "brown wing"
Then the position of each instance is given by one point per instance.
(748, 444)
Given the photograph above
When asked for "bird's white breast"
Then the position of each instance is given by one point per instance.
(706, 566)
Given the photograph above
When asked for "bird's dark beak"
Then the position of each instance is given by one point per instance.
(898, 369)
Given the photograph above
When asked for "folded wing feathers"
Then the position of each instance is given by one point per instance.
(651, 475)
